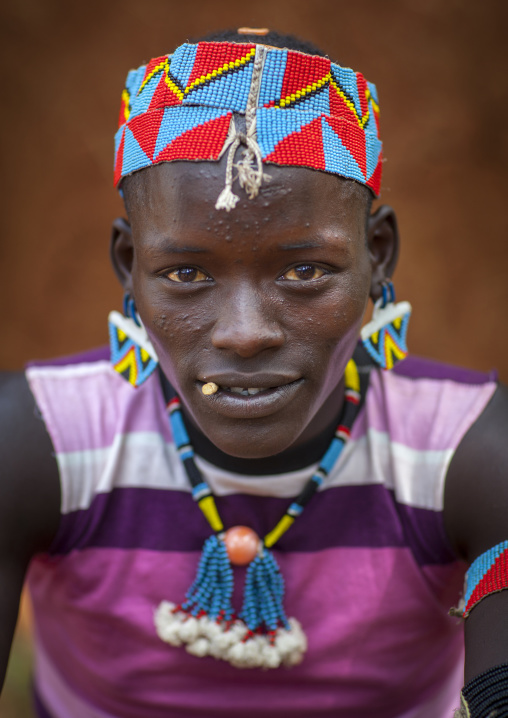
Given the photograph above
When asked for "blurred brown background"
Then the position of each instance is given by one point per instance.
(440, 68)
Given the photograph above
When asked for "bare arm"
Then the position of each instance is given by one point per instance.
(29, 497)
(476, 518)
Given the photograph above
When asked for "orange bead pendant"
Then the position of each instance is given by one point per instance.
(242, 545)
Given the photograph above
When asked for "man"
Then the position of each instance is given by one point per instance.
(248, 260)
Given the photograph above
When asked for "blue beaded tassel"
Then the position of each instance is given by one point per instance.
(211, 592)
(264, 592)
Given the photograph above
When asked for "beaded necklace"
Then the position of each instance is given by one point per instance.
(261, 636)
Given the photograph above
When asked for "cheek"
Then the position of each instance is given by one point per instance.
(179, 326)
(330, 318)
(331, 332)
(176, 333)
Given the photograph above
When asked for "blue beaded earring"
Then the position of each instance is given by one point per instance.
(384, 337)
(132, 353)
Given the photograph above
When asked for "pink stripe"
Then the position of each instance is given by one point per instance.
(94, 611)
(54, 698)
(423, 414)
(90, 410)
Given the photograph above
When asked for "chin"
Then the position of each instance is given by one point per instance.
(250, 442)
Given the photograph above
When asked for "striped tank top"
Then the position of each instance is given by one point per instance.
(368, 569)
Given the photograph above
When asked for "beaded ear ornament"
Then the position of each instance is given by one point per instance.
(384, 337)
(261, 635)
(132, 353)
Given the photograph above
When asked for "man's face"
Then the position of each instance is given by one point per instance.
(269, 297)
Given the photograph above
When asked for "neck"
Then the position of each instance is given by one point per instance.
(292, 459)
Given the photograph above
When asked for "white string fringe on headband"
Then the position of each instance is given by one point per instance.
(250, 167)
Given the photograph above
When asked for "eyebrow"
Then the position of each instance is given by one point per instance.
(169, 248)
(300, 245)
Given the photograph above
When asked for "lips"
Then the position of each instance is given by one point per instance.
(244, 396)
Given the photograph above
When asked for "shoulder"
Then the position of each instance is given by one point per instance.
(461, 415)
(427, 404)
(85, 403)
(104, 431)
(29, 486)
(476, 495)
(62, 386)
(40, 410)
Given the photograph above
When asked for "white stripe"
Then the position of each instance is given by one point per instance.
(56, 695)
(145, 460)
(137, 460)
(417, 477)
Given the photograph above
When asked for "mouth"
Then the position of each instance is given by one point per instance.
(237, 399)
(246, 391)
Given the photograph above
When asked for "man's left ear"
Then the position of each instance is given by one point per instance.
(383, 242)
(121, 252)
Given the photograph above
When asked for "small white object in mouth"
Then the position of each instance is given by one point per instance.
(244, 392)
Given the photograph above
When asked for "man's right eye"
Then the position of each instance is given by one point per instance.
(187, 275)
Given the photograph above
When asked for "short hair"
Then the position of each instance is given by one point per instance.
(272, 37)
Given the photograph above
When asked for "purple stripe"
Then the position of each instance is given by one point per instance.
(364, 611)
(348, 516)
(440, 411)
(421, 368)
(91, 355)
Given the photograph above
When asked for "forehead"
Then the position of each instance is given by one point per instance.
(183, 194)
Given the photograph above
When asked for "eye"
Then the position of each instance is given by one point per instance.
(187, 275)
(303, 272)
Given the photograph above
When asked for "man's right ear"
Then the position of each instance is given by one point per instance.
(121, 252)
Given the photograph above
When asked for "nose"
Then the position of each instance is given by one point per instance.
(245, 323)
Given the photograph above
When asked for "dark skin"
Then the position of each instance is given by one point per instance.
(251, 299)
(273, 292)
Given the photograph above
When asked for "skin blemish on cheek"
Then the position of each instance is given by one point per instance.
(159, 321)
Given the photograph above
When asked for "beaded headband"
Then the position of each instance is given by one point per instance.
(283, 106)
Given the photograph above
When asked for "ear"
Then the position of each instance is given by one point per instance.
(121, 252)
(383, 241)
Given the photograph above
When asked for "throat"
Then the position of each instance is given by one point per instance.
(292, 459)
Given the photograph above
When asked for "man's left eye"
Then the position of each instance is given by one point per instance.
(187, 274)
(303, 272)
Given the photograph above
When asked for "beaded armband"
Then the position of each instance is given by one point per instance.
(487, 574)
(486, 696)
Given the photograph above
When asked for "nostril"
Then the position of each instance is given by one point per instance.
(247, 340)
(245, 327)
